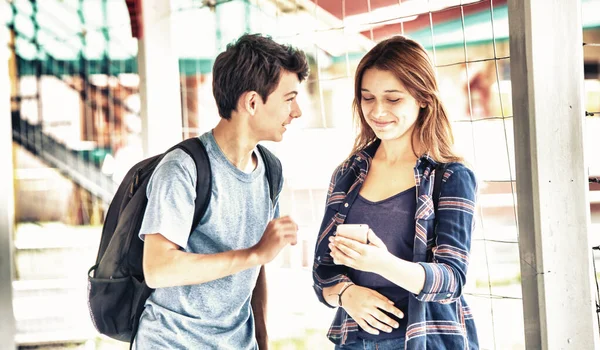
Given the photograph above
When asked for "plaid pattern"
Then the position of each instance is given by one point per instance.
(439, 317)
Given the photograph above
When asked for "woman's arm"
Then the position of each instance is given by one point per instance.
(440, 279)
(445, 274)
(330, 294)
(326, 274)
(365, 306)
(374, 257)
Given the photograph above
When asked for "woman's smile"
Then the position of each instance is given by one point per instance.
(382, 124)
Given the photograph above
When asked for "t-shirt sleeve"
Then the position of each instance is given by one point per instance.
(171, 194)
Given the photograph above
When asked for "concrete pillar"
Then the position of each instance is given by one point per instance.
(546, 61)
(160, 91)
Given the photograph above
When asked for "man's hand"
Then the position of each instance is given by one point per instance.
(364, 257)
(278, 234)
(364, 305)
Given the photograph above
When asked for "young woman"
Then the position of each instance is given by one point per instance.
(403, 288)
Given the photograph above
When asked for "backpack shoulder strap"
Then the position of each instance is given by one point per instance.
(194, 147)
(273, 171)
(440, 169)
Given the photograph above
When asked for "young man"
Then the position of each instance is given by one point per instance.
(205, 281)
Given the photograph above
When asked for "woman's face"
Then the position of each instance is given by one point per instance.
(387, 106)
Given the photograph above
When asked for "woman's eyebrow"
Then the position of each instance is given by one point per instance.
(398, 91)
(386, 91)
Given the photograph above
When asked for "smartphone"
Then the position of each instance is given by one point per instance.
(357, 232)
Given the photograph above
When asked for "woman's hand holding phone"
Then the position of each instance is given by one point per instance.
(352, 252)
(358, 247)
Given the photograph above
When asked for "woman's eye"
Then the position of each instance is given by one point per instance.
(396, 100)
(367, 99)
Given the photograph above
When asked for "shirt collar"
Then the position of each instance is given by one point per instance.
(369, 152)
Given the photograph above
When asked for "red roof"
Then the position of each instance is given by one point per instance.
(353, 7)
(134, 7)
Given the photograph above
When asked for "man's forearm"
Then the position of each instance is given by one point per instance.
(259, 308)
(177, 268)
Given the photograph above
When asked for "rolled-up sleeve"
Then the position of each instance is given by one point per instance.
(445, 275)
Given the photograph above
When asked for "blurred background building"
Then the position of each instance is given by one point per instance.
(77, 127)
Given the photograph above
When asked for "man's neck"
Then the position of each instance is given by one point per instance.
(235, 142)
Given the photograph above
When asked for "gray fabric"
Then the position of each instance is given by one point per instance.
(215, 314)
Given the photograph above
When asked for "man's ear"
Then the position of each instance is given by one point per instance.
(250, 100)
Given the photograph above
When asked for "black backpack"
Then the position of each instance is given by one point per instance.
(116, 287)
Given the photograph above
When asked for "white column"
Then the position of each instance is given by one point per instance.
(158, 67)
(7, 205)
(546, 62)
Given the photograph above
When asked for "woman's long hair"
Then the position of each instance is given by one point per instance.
(408, 61)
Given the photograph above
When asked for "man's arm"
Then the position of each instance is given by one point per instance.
(259, 308)
(165, 265)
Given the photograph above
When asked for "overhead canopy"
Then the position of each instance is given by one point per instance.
(103, 31)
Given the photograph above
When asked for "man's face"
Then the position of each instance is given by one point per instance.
(271, 118)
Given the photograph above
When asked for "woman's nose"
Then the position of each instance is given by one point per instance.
(378, 111)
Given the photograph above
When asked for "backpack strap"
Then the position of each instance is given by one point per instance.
(273, 171)
(194, 147)
(440, 169)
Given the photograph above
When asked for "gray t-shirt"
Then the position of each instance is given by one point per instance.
(216, 314)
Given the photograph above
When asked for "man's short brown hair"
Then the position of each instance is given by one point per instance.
(253, 63)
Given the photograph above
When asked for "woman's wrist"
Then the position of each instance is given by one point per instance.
(331, 294)
(342, 292)
(382, 266)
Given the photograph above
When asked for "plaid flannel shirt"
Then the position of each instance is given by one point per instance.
(438, 318)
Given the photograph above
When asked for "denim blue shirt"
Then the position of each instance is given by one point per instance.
(438, 317)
